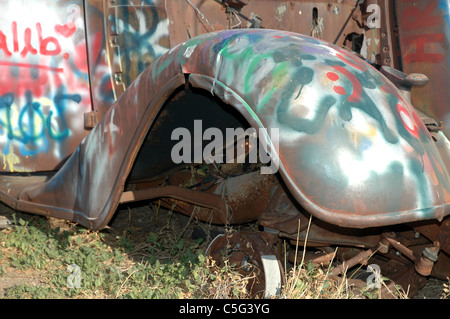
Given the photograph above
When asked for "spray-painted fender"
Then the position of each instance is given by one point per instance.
(351, 149)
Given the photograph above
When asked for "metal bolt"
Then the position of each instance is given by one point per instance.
(114, 40)
(424, 266)
(118, 77)
(383, 247)
(431, 253)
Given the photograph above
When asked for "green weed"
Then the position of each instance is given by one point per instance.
(162, 267)
(161, 263)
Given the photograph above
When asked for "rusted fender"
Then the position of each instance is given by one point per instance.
(352, 150)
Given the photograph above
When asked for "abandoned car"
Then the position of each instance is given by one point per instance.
(326, 123)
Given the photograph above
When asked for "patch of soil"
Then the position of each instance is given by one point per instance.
(13, 276)
(139, 220)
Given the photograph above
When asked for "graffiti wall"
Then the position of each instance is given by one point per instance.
(61, 60)
(424, 34)
(44, 87)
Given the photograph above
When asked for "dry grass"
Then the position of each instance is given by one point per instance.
(133, 263)
(446, 290)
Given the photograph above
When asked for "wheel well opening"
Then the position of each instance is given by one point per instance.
(185, 106)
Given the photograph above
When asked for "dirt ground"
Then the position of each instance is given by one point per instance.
(142, 220)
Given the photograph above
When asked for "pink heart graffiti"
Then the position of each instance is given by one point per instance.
(66, 30)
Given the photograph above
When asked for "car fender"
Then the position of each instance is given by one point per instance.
(352, 151)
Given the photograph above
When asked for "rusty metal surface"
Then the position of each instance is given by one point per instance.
(424, 36)
(436, 231)
(322, 234)
(221, 201)
(283, 214)
(361, 258)
(137, 34)
(340, 22)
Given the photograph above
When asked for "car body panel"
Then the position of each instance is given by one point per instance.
(63, 64)
(124, 37)
(424, 38)
(357, 156)
(44, 84)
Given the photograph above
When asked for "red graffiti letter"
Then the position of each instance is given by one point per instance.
(420, 40)
(44, 43)
(15, 37)
(3, 44)
(28, 47)
(414, 18)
